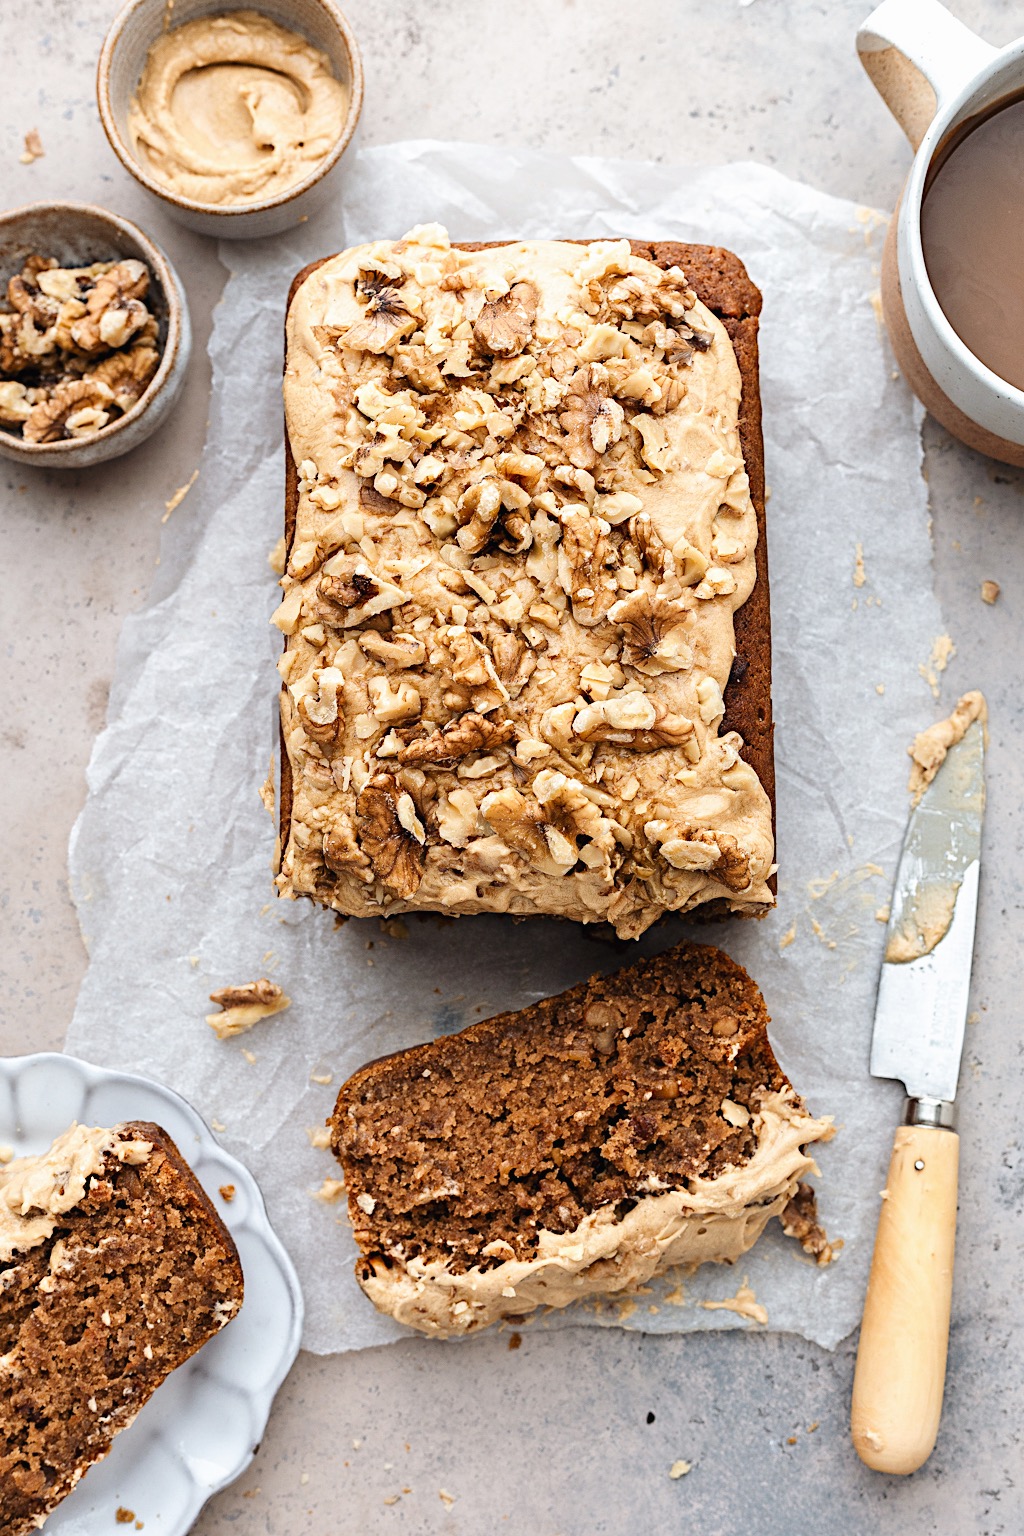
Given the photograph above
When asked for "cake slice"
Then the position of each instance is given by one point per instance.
(576, 1147)
(114, 1269)
(527, 660)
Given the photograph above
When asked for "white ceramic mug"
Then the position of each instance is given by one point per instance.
(934, 74)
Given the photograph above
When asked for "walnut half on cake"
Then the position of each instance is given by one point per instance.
(525, 549)
(575, 1148)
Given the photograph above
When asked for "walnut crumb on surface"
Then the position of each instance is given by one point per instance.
(990, 592)
(447, 1499)
(179, 495)
(330, 1191)
(243, 1006)
(227, 1192)
(679, 1469)
(124, 1516)
(33, 151)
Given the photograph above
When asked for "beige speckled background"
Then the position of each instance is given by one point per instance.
(573, 1434)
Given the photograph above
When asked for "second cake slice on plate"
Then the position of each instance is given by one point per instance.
(574, 1148)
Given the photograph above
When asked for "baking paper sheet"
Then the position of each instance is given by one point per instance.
(170, 859)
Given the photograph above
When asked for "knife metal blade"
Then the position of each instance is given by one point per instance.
(921, 1008)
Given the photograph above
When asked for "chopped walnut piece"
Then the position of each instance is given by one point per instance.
(445, 747)
(591, 419)
(514, 662)
(15, 405)
(552, 828)
(350, 592)
(504, 324)
(320, 710)
(393, 848)
(74, 409)
(242, 1007)
(395, 650)
(653, 634)
(582, 567)
(127, 374)
(701, 848)
(341, 851)
(385, 319)
(393, 701)
(114, 311)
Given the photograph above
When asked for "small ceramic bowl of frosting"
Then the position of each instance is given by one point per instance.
(237, 119)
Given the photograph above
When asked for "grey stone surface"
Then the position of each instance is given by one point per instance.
(551, 1439)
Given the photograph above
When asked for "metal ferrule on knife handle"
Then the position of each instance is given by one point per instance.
(935, 1114)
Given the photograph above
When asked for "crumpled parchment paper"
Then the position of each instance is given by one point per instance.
(170, 859)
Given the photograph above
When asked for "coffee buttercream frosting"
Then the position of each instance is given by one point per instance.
(523, 529)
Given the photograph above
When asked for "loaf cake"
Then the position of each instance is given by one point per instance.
(114, 1269)
(527, 654)
(575, 1148)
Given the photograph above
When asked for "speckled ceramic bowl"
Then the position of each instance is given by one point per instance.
(77, 234)
(121, 63)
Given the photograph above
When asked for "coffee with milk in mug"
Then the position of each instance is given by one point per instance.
(972, 232)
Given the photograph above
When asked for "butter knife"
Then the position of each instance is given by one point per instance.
(918, 1038)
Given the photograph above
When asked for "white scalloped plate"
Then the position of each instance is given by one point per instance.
(202, 1427)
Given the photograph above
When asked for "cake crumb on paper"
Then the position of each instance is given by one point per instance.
(217, 1125)
(179, 495)
(879, 689)
(325, 1079)
(744, 1304)
(883, 913)
(6, 1153)
(329, 1191)
(679, 1469)
(243, 1006)
(942, 653)
(990, 592)
(267, 792)
(859, 576)
(447, 1499)
(33, 147)
(250, 1056)
(319, 1136)
(788, 937)
(278, 557)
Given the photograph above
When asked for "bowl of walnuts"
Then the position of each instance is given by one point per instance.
(94, 335)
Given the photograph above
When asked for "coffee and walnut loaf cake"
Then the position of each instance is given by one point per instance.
(114, 1269)
(574, 1148)
(527, 659)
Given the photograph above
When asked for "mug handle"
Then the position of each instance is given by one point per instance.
(918, 56)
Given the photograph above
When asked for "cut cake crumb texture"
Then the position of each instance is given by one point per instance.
(576, 1147)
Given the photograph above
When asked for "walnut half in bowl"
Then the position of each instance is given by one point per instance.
(94, 335)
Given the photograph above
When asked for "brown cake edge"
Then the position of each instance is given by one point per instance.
(721, 281)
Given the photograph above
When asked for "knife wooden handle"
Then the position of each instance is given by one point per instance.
(901, 1358)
